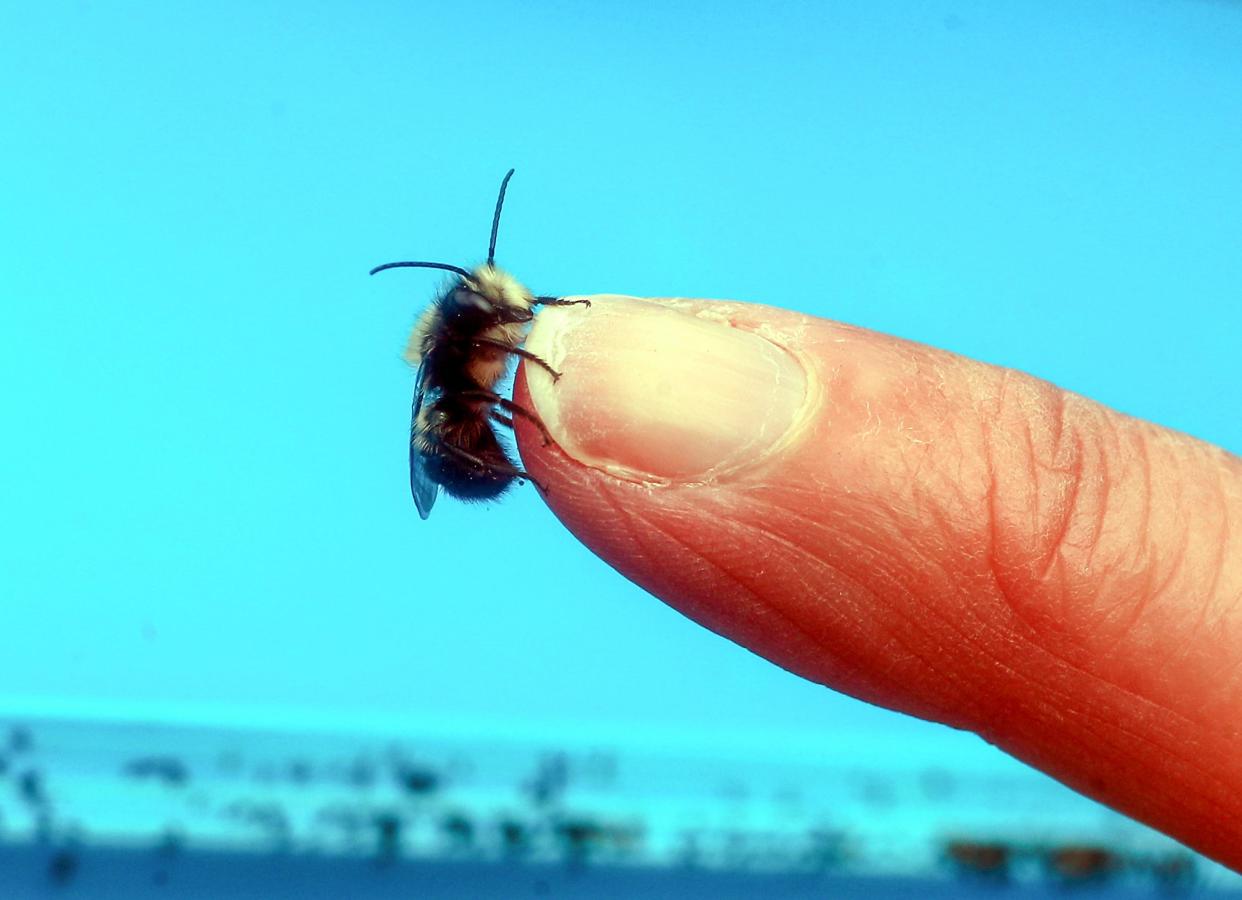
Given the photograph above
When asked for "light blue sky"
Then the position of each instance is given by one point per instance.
(204, 406)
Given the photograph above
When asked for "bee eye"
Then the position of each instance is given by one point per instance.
(464, 297)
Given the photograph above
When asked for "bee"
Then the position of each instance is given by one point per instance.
(461, 347)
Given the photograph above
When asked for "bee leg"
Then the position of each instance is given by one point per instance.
(510, 407)
(510, 314)
(508, 423)
(560, 301)
(513, 409)
(518, 351)
(498, 468)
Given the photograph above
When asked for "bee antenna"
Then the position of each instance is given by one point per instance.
(422, 265)
(500, 201)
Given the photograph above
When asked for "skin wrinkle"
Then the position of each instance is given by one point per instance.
(1062, 703)
(1017, 607)
(1218, 567)
(754, 597)
(1066, 464)
(924, 449)
(1204, 609)
(1055, 539)
(1099, 511)
(808, 588)
(1144, 529)
(1048, 576)
(1114, 551)
(1172, 563)
(621, 520)
(1173, 748)
(1102, 730)
(993, 519)
(1168, 747)
(1028, 438)
(1146, 560)
(967, 440)
(1120, 763)
(962, 487)
(815, 560)
(1052, 579)
(1208, 612)
(967, 609)
(1059, 529)
(929, 509)
(991, 497)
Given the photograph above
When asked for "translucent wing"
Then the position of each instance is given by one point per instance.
(422, 487)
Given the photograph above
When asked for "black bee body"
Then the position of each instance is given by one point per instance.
(461, 347)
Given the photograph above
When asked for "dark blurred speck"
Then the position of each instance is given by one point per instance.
(459, 829)
(579, 838)
(514, 837)
(1083, 863)
(361, 773)
(270, 818)
(582, 838)
(300, 772)
(30, 788)
(171, 842)
(168, 847)
(978, 858)
(549, 781)
(416, 780)
(387, 836)
(689, 849)
(826, 849)
(168, 769)
(63, 866)
(20, 739)
(1174, 870)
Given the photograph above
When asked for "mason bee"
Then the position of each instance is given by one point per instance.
(461, 348)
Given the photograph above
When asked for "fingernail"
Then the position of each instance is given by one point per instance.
(650, 392)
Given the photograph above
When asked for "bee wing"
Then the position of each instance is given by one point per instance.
(422, 487)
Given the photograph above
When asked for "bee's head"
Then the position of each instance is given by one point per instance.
(495, 288)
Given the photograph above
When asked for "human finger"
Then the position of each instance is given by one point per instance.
(939, 536)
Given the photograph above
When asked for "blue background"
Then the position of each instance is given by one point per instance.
(205, 412)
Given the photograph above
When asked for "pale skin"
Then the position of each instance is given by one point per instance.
(957, 541)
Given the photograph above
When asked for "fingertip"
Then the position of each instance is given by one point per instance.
(872, 546)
